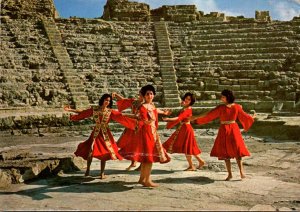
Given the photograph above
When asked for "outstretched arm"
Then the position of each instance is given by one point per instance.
(208, 116)
(69, 109)
(123, 120)
(164, 112)
(170, 119)
(193, 118)
(82, 115)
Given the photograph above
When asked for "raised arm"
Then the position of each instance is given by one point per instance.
(116, 95)
(123, 104)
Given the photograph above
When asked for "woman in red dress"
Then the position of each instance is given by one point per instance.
(129, 137)
(183, 139)
(148, 149)
(229, 142)
(101, 144)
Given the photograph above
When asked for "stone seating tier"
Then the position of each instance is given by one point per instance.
(30, 75)
(120, 56)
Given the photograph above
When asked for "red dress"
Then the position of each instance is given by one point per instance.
(101, 141)
(148, 148)
(229, 142)
(183, 139)
(128, 136)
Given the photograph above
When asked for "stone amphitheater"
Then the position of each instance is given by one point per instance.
(47, 62)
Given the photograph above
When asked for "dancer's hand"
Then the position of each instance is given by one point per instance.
(148, 121)
(167, 112)
(67, 108)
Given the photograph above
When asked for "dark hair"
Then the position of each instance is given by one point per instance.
(193, 99)
(146, 88)
(105, 96)
(229, 95)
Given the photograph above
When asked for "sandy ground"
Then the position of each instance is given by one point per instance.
(272, 181)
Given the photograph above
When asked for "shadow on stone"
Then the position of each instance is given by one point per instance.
(195, 180)
(70, 184)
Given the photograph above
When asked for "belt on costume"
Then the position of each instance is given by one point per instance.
(227, 122)
(187, 122)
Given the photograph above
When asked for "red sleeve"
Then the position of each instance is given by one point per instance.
(183, 115)
(124, 104)
(123, 120)
(82, 115)
(245, 119)
(211, 115)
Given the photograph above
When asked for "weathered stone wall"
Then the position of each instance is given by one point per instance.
(180, 13)
(29, 73)
(256, 60)
(262, 16)
(112, 56)
(124, 10)
(28, 8)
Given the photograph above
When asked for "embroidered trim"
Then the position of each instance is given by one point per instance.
(170, 149)
(159, 147)
(102, 125)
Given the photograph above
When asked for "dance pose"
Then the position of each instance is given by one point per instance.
(101, 144)
(183, 139)
(229, 142)
(148, 149)
(129, 137)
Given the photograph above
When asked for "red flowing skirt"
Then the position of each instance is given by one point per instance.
(183, 141)
(145, 148)
(229, 143)
(100, 149)
(127, 143)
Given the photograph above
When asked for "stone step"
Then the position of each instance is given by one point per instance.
(76, 89)
(172, 87)
(75, 83)
(167, 69)
(171, 96)
(239, 31)
(246, 57)
(240, 81)
(241, 40)
(80, 98)
(73, 78)
(239, 64)
(79, 93)
(167, 83)
(172, 104)
(219, 46)
(165, 52)
(169, 91)
(242, 35)
(169, 77)
(244, 74)
(165, 57)
(223, 25)
(245, 51)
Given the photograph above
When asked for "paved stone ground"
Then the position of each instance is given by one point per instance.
(272, 181)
